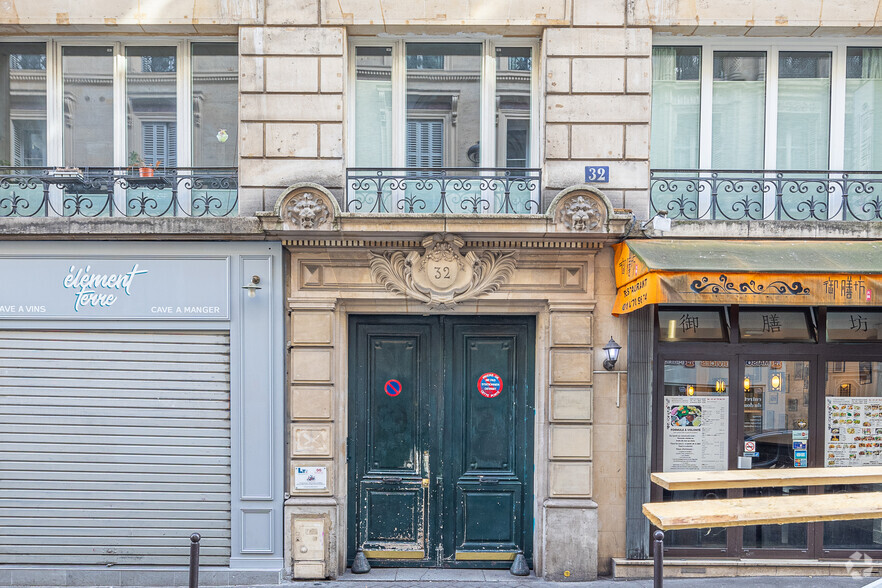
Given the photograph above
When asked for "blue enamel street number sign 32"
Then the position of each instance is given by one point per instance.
(598, 174)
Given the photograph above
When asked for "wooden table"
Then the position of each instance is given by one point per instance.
(774, 478)
(776, 510)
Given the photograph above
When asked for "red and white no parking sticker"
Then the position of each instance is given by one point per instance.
(490, 385)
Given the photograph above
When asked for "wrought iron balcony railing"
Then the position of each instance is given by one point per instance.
(793, 195)
(449, 190)
(108, 191)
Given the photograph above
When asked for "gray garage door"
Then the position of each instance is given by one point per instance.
(114, 447)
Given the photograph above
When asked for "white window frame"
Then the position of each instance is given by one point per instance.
(54, 91)
(488, 94)
(771, 47)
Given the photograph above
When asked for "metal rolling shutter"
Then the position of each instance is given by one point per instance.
(114, 447)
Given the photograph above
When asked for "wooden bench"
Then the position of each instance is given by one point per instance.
(776, 510)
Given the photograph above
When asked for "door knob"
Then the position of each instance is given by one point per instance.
(425, 482)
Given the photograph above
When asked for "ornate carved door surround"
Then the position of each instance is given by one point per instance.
(554, 266)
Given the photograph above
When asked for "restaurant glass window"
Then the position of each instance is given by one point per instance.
(853, 437)
(776, 420)
(695, 416)
(775, 325)
(689, 324)
(854, 325)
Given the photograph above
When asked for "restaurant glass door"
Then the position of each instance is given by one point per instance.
(775, 431)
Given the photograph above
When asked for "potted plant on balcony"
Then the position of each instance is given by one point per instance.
(144, 170)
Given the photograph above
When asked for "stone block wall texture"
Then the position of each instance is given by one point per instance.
(291, 104)
(597, 104)
(595, 91)
(759, 17)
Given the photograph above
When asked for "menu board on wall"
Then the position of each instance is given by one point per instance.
(696, 433)
(853, 431)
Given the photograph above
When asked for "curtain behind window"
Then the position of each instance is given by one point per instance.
(863, 109)
(675, 107)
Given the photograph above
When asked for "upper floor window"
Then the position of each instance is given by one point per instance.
(767, 107)
(144, 128)
(111, 104)
(438, 104)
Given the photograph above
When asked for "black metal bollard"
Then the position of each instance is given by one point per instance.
(658, 554)
(194, 560)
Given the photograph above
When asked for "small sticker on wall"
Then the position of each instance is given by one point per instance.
(490, 385)
(749, 446)
(310, 478)
(393, 387)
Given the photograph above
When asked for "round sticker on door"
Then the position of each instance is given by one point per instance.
(393, 387)
(490, 385)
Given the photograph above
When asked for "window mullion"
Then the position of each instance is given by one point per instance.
(119, 105)
(184, 107)
(770, 152)
(54, 106)
(706, 90)
(488, 106)
(837, 109)
(119, 121)
(184, 124)
(399, 104)
(836, 156)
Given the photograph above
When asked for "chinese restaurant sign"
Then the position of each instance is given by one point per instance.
(639, 286)
(114, 287)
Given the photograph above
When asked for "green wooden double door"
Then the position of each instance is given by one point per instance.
(440, 446)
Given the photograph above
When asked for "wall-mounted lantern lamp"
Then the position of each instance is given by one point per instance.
(720, 386)
(776, 382)
(611, 350)
(252, 286)
(746, 384)
(612, 354)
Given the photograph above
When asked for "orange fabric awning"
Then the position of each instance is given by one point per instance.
(658, 272)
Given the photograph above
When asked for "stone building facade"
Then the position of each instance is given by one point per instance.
(438, 188)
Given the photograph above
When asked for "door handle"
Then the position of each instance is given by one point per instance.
(486, 480)
(391, 480)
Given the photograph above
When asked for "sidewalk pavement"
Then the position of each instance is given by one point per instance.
(415, 578)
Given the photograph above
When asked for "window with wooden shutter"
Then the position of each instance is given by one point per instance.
(425, 142)
(159, 144)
